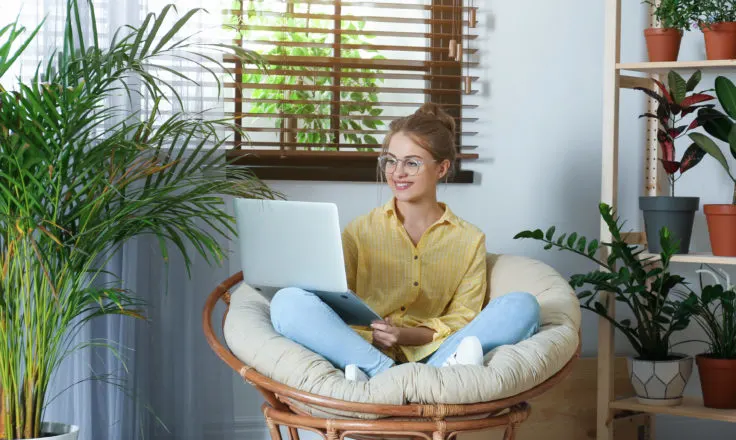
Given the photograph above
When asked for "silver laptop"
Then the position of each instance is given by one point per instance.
(297, 244)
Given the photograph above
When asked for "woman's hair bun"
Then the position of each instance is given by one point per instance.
(434, 110)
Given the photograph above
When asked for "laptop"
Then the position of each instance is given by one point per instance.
(297, 244)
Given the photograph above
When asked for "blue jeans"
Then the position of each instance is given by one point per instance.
(302, 317)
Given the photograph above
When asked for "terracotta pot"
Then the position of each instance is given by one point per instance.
(720, 40)
(663, 44)
(717, 381)
(660, 382)
(721, 228)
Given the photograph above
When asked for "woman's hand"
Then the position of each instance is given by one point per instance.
(385, 335)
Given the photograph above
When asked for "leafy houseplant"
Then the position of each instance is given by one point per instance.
(721, 218)
(717, 21)
(79, 178)
(663, 43)
(301, 95)
(677, 214)
(646, 290)
(715, 313)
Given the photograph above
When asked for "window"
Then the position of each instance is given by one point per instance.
(338, 72)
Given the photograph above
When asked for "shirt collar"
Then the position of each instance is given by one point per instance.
(389, 208)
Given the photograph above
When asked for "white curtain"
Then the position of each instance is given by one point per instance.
(169, 376)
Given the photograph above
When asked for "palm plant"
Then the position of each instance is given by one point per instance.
(79, 178)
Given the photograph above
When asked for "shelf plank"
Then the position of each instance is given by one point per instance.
(690, 407)
(664, 67)
(696, 257)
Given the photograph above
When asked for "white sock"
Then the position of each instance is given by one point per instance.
(469, 352)
(355, 374)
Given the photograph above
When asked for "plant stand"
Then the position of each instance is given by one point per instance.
(615, 78)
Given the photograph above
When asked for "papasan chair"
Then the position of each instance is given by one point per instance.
(302, 390)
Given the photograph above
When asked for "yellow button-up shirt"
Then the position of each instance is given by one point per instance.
(440, 283)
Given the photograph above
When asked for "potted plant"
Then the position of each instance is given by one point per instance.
(674, 105)
(663, 43)
(721, 218)
(715, 313)
(717, 21)
(644, 287)
(79, 178)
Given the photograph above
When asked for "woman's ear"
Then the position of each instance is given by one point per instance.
(443, 169)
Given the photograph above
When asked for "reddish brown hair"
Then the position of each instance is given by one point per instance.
(431, 128)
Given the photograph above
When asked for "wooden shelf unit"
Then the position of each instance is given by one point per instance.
(618, 76)
(664, 67)
(696, 258)
(690, 407)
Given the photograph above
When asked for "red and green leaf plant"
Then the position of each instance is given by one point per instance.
(675, 102)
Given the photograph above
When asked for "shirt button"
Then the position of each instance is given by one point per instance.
(416, 283)
(403, 308)
(416, 257)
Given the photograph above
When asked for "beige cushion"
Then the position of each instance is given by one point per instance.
(509, 370)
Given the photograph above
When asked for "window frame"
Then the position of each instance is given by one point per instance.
(299, 165)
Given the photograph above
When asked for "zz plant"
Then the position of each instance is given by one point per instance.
(645, 288)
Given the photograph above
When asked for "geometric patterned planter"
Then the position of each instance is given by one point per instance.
(660, 382)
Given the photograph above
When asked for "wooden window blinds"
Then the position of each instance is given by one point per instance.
(337, 73)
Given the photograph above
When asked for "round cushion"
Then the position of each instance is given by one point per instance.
(509, 369)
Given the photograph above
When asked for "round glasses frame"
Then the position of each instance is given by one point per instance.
(388, 164)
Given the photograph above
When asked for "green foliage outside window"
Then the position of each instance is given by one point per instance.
(352, 103)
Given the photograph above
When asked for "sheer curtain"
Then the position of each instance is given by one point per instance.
(164, 374)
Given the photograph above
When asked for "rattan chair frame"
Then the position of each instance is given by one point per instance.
(416, 421)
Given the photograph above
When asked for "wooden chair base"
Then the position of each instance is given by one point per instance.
(437, 429)
(410, 421)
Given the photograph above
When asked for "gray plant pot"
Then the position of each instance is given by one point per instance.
(58, 431)
(660, 382)
(676, 213)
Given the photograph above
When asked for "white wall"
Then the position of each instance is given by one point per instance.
(540, 137)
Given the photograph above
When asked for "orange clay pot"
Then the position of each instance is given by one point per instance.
(720, 40)
(721, 228)
(663, 44)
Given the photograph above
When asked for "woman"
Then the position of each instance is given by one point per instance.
(416, 264)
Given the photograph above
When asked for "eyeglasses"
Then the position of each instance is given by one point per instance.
(389, 163)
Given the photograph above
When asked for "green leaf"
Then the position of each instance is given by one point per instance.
(600, 309)
(583, 295)
(571, 239)
(710, 147)
(625, 322)
(550, 233)
(592, 247)
(581, 245)
(548, 246)
(732, 140)
(726, 93)
(678, 86)
(694, 80)
(561, 239)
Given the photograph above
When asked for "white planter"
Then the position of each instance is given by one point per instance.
(660, 382)
(58, 431)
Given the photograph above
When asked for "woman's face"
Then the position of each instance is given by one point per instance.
(411, 172)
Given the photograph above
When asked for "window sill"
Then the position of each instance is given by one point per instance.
(333, 174)
(320, 166)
